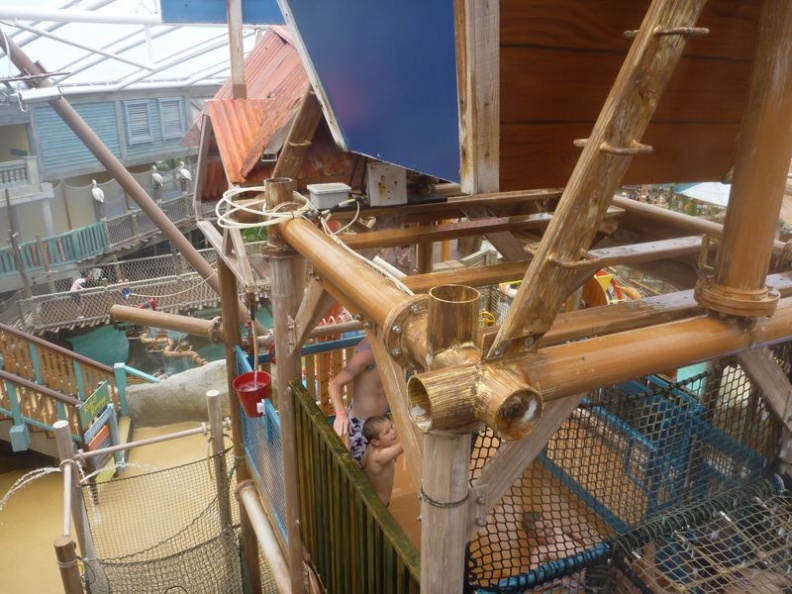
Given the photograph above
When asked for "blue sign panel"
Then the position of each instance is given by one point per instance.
(388, 70)
(254, 12)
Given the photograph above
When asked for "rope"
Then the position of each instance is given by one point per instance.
(192, 288)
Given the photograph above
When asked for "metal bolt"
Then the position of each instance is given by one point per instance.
(415, 309)
(358, 317)
(528, 342)
(396, 329)
(395, 352)
(481, 522)
(480, 500)
(367, 324)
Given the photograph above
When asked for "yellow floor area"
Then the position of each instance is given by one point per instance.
(33, 517)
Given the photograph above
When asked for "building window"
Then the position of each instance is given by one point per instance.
(138, 121)
(172, 117)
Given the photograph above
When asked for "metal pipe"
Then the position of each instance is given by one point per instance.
(367, 288)
(78, 16)
(114, 166)
(83, 455)
(268, 544)
(66, 466)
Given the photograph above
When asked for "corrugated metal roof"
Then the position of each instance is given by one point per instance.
(276, 84)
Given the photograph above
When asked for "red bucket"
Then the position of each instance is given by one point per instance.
(251, 388)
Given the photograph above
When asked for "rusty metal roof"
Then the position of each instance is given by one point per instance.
(242, 129)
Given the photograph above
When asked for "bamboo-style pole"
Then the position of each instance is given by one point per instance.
(211, 329)
(576, 367)
(760, 173)
(288, 280)
(444, 512)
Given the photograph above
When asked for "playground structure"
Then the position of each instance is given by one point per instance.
(570, 409)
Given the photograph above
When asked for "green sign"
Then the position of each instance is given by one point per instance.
(94, 405)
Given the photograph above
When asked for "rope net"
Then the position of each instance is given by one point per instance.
(168, 531)
(629, 455)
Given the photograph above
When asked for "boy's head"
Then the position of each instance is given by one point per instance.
(379, 431)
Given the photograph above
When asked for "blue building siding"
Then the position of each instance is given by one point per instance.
(157, 144)
(62, 152)
(60, 149)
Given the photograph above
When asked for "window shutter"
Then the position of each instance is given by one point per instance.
(138, 121)
(172, 117)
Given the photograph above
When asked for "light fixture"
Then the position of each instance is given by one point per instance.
(39, 94)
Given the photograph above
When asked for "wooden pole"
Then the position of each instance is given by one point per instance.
(211, 329)
(215, 414)
(288, 281)
(65, 551)
(235, 42)
(444, 513)
(65, 448)
(229, 302)
(13, 236)
(760, 173)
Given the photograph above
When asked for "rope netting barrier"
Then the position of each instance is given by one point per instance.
(169, 280)
(630, 455)
(166, 531)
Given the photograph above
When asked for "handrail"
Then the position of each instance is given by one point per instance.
(48, 392)
(58, 349)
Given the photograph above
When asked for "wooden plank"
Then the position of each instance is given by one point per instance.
(393, 381)
(760, 365)
(302, 131)
(542, 154)
(599, 171)
(315, 304)
(410, 235)
(599, 26)
(503, 469)
(477, 24)
(547, 85)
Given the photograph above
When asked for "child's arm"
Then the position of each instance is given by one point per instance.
(387, 454)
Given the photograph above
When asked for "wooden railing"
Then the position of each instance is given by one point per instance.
(52, 367)
(354, 542)
(28, 403)
(91, 241)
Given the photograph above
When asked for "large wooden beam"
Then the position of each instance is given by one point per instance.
(299, 140)
(760, 365)
(410, 235)
(512, 458)
(393, 381)
(477, 24)
(607, 154)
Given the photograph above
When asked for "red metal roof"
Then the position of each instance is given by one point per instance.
(276, 83)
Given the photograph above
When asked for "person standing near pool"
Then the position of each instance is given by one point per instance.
(367, 398)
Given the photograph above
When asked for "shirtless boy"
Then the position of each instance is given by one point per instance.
(367, 398)
(379, 461)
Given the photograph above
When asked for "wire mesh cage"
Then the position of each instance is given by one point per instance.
(629, 454)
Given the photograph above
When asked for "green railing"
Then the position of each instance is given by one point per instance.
(354, 542)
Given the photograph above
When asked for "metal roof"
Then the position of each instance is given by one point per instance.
(113, 45)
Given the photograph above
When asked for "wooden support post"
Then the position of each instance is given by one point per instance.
(215, 415)
(229, 305)
(760, 365)
(288, 281)
(760, 173)
(65, 447)
(238, 87)
(67, 562)
(444, 513)
(392, 377)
